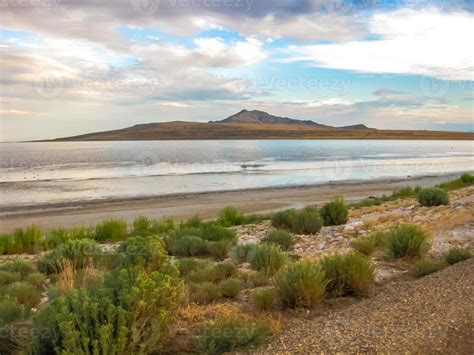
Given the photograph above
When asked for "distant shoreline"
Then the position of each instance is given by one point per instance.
(205, 204)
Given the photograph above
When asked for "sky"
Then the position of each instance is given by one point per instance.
(77, 66)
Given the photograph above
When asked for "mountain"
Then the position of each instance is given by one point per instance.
(256, 125)
(261, 117)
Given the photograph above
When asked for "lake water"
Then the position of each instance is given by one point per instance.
(39, 173)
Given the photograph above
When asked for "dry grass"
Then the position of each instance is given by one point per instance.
(71, 278)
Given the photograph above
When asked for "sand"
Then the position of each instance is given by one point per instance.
(206, 205)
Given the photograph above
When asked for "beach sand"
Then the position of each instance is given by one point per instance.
(206, 205)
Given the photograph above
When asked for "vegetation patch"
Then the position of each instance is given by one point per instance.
(280, 237)
(268, 258)
(432, 197)
(426, 267)
(264, 299)
(335, 212)
(408, 240)
(464, 181)
(111, 230)
(456, 255)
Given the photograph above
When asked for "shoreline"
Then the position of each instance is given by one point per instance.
(205, 204)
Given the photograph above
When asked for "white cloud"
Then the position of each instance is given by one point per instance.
(430, 43)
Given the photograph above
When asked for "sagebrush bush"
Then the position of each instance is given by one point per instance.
(367, 245)
(10, 311)
(194, 222)
(187, 266)
(280, 237)
(141, 224)
(242, 252)
(300, 284)
(163, 226)
(24, 293)
(307, 221)
(21, 241)
(211, 272)
(456, 255)
(18, 265)
(189, 246)
(7, 278)
(432, 197)
(254, 279)
(81, 252)
(335, 212)
(464, 181)
(205, 292)
(231, 287)
(36, 279)
(131, 312)
(348, 274)
(147, 252)
(219, 250)
(231, 331)
(229, 217)
(264, 299)
(215, 233)
(111, 230)
(283, 219)
(268, 258)
(408, 240)
(426, 267)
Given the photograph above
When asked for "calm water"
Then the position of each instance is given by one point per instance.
(36, 173)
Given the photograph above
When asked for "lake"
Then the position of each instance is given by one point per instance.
(48, 173)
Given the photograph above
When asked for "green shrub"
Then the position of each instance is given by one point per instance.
(215, 233)
(268, 258)
(131, 312)
(242, 252)
(223, 270)
(189, 246)
(301, 284)
(280, 237)
(61, 235)
(229, 217)
(141, 224)
(230, 332)
(111, 230)
(426, 267)
(408, 240)
(210, 272)
(194, 222)
(187, 266)
(464, 181)
(456, 255)
(307, 221)
(5, 244)
(18, 265)
(10, 311)
(163, 226)
(254, 279)
(432, 197)
(219, 250)
(143, 251)
(36, 279)
(283, 219)
(80, 252)
(230, 288)
(21, 241)
(335, 212)
(205, 292)
(263, 299)
(24, 293)
(7, 278)
(349, 274)
(367, 245)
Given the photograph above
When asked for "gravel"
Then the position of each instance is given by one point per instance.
(434, 314)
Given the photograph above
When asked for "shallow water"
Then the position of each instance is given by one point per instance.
(38, 173)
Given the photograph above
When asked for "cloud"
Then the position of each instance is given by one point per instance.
(428, 42)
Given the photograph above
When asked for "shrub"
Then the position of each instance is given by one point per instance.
(229, 217)
(141, 224)
(268, 258)
(242, 252)
(426, 267)
(187, 266)
(131, 312)
(408, 240)
(144, 251)
(163, 226)
(189, 246)
(21, 241)
(205, 292)
(223, 270)
(231, 331)
(10, 311)
(24, 293)
(335, 212)
(349, 274)
(456, 255)
(194, 222)
(464, 181)
(432, 197)
(307, 221)
(211, 272)
(367, 245)
(61, 235)
(36, 279)
(7, 278)
(283, 219)
(5, 244)
(81, 252)
(218, 250)
(18, 265)
(111, 230)
(301, 284)
(215, 233)
(263, 299)
(255, 278)
(230, 288)
(280, 237)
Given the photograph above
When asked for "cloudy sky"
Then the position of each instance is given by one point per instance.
(77, 66)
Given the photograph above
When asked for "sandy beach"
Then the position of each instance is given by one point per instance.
(206, 205)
